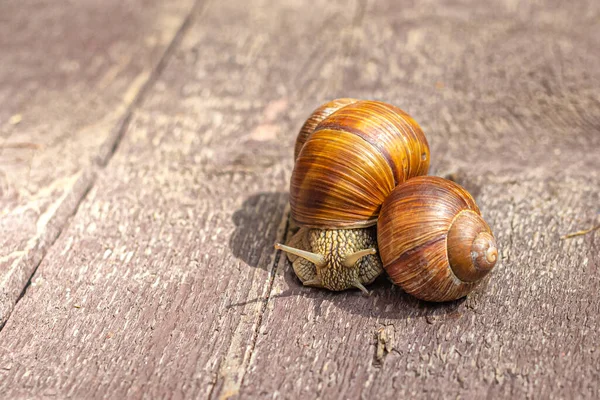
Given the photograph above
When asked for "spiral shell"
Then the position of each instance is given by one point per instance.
(351, 162)
(317, 116)
(433, 241)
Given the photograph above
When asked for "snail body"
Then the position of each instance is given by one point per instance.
(349, 156)
(336, 259)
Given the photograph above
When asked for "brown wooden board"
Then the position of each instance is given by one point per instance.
(508, 94)
(166, 284)
(69, 73)
(158, 285)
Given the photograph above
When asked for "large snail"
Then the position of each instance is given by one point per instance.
(352, 156)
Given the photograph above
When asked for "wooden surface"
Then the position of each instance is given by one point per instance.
(67, 87)
(145, 157)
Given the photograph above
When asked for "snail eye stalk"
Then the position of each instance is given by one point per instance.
(314, 258)
(351, 259)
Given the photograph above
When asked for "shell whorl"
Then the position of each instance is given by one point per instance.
(433, 241)
(351, 161)
(317, 116)
(472, 250)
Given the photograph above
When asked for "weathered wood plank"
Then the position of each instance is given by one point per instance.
(70, 71)
(508, 95)
(159, 283)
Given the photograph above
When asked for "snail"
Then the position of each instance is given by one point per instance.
(362, 163)
(432, 239)
(350, 154)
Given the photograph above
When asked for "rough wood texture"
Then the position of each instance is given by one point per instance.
(165, 283)
(508, 95)
(160, 281)
(66, 87)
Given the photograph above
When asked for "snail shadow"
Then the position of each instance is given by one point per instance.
(465, 180)
(385, 301)
(258, 225)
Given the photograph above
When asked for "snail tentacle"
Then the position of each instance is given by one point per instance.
(316, 282)
(360, 286)
(351, 259)
(314, 258)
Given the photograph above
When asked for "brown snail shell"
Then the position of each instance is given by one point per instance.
(317, 116)
(351, 161)
(432, 239)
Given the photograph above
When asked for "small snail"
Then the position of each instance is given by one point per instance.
(350, 155)
(354, 156)
(432, 239)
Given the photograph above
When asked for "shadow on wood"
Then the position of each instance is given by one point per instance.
(253, 238)
(256, 228)
(463, 179)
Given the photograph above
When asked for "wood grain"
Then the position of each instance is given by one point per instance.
(507, 94)
(159, 283)
(165, 283)
(69, 74)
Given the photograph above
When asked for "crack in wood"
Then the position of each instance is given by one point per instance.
(41, 231)
(156, 72)
(103, 161)
(86, 190)
(231, 385)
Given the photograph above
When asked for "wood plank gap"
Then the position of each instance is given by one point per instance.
(231, 386)
(63, 211)
(267, 298)
(199, 8)
(87, 189)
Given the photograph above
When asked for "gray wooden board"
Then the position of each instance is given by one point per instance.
(158, 285)
(69, 72)
(165, 283)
